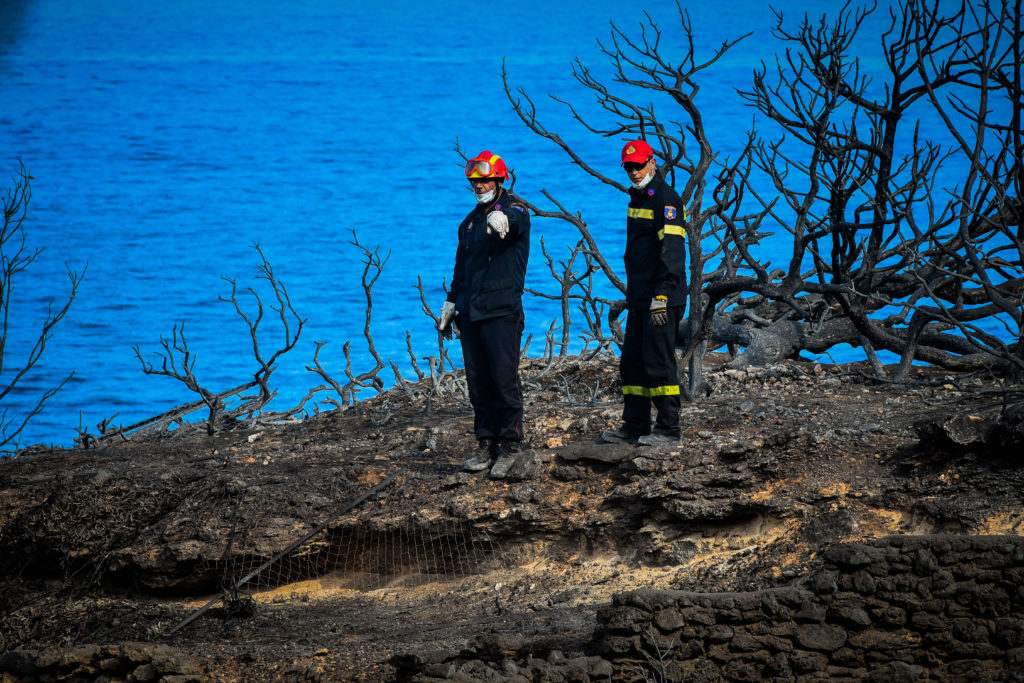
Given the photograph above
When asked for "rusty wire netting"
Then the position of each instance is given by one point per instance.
(360, 553)
(364, 552)
(367, 557)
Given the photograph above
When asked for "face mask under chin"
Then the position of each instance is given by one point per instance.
(485, 197)
(643, 183)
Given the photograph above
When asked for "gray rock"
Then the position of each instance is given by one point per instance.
(440, 669)
(527, 465)
(848, 555)
(145, 673)
(19, 662)
(611, 453)
(823, 637)
(896, 672)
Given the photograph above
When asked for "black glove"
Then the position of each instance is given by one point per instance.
(659, 310)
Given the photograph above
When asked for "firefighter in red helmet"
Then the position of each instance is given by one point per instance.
(655, 261)
(484, 306)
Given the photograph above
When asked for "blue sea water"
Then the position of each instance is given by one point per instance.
(165, 139)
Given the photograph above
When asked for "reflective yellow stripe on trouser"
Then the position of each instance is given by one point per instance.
(669, 390)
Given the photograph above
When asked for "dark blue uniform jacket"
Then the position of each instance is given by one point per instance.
(655, 245)
(490, 272)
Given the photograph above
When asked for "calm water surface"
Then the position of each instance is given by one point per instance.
(166, 139)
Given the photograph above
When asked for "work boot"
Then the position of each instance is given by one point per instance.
(507, 452)
(619, 435)
(658, 439)
(482, 459)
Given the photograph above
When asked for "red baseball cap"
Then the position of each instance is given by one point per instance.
(637, 151)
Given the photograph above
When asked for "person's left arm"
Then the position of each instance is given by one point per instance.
(518, 219)
(670, 220)
(511, 220)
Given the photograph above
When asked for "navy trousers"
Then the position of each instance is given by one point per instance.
(649, 375)
(490, 351)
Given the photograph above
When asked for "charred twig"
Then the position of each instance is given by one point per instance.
(373, 266)
(178, 360)
(286, 314)
(183, 370)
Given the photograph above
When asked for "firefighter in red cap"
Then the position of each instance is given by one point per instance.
(485, 307)
(655, 298)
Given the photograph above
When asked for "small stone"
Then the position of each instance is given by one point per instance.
(145, 673)
(848, 555)
(820, 637)
(896, 672)
(440, 669)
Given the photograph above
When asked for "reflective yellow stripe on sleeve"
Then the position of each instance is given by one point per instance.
(669, 390)
(641, 213)
(672, 230)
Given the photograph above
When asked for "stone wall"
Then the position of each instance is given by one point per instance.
(899, 608)
(904, 608)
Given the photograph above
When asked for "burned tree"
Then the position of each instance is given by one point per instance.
(885, 253)
(576, 285)
(177, 361)
(15, 257)
(903, 260)
(232, 407)
(640, 64)
(441, 376)
(373, 266)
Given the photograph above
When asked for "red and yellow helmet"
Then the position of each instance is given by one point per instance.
(486, 165)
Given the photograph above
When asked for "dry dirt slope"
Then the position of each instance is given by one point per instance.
(440, 573)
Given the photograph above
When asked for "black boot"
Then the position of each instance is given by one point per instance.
(620, 435)
(507, 452)
(485, 453)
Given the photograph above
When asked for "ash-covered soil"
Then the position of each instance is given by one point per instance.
(104, 553)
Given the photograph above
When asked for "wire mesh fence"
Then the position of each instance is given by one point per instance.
(362, 557)
(361, 552)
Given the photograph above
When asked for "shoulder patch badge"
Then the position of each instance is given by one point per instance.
(670, 212)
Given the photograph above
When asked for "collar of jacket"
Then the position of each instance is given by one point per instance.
(653, 185)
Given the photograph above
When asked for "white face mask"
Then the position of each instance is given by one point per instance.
(643, 183)
(486, 197)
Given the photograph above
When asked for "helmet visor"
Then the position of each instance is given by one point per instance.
(481, 167)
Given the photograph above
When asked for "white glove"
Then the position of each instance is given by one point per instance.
(497, 222)
(444, 325)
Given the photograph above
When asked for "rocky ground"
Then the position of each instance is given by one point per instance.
(378, 559)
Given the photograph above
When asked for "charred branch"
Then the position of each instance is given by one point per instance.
(373, 265)
(178, 361)
(15, 257)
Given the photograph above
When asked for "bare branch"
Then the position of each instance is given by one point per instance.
(15, 257)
